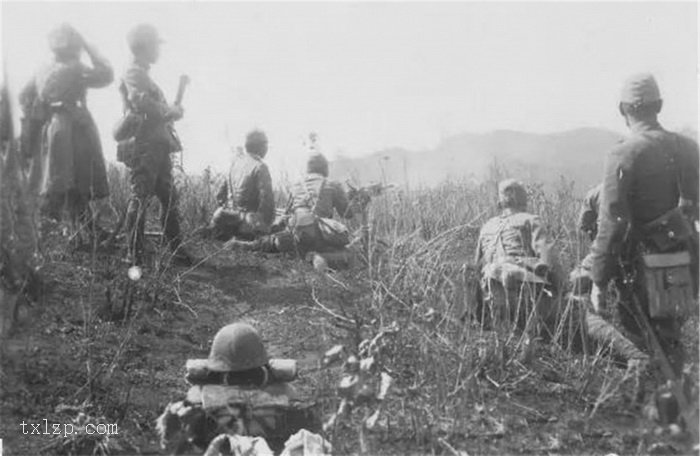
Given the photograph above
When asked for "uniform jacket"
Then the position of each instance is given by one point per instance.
(317, 191)
(510, 234)
(248, 188)
(645, 176)
(70, 156)
(144, 96)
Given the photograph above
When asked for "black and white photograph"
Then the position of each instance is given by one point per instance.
(300, 228)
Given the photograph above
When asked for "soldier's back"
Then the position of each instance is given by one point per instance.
(508, 234)
(243, 178)
(652, 161)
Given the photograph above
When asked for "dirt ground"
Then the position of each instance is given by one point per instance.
(65, 357)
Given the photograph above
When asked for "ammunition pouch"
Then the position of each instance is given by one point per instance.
(669, 284)
(671, 231)
(333, 233)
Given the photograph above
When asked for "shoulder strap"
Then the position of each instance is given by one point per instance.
(310, 198)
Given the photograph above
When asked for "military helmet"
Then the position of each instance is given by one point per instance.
(640, 89)
(317, 163)
(142, 35)
(256, 142)
(512, 194)
(64, 38)
(237, 347)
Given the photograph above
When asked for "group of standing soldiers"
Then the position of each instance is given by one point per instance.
(60, 140)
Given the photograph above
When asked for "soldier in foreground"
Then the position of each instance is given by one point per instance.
(246, 200)
(59, 134)
(644, 240)
(240, 391)
(520, 272)
(147, 152)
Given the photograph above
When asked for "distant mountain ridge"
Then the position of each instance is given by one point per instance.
(575, 154)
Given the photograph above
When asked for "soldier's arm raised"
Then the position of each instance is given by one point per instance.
(614, 215)
(101, 74)
(266, 206)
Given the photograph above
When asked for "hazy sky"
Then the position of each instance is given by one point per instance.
(373, 75)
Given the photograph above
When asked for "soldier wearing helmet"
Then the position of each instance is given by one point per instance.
(59, 136)
(516, 263)
(237, 390)
(650, 188)
(150, 163)
(246, 199)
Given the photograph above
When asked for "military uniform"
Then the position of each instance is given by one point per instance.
(68, 166)
(645, 176)
(247, 200)
(151, 168)
(519, 269)
(510, 248)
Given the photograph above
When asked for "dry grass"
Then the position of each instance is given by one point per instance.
(456, 385)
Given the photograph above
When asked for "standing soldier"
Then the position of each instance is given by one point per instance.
(68, 168)
(644, 241)
(151, 165)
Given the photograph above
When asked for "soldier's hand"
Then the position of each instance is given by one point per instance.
(598, 299)
(176, 112)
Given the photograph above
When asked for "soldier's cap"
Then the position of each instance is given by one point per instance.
(317, 163)
(64, 37)
(142, 34)
(640, 89)
(511, 193)
(255, 139)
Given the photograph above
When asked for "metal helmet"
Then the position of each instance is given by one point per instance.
(318, 164)
(237, 347)
(64, 38)
(640, 89)
(512, 194)
(256, 143)
(142, 35)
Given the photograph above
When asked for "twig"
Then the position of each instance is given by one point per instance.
(451, 449)
(329, 311)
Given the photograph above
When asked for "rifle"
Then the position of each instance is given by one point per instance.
(182, 85)
(689, 413)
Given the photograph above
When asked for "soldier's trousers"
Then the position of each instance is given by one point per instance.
(151, 175)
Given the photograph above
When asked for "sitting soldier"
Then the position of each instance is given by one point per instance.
(311, 227)
(519, 268)
(237, 391)
(246, 199)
